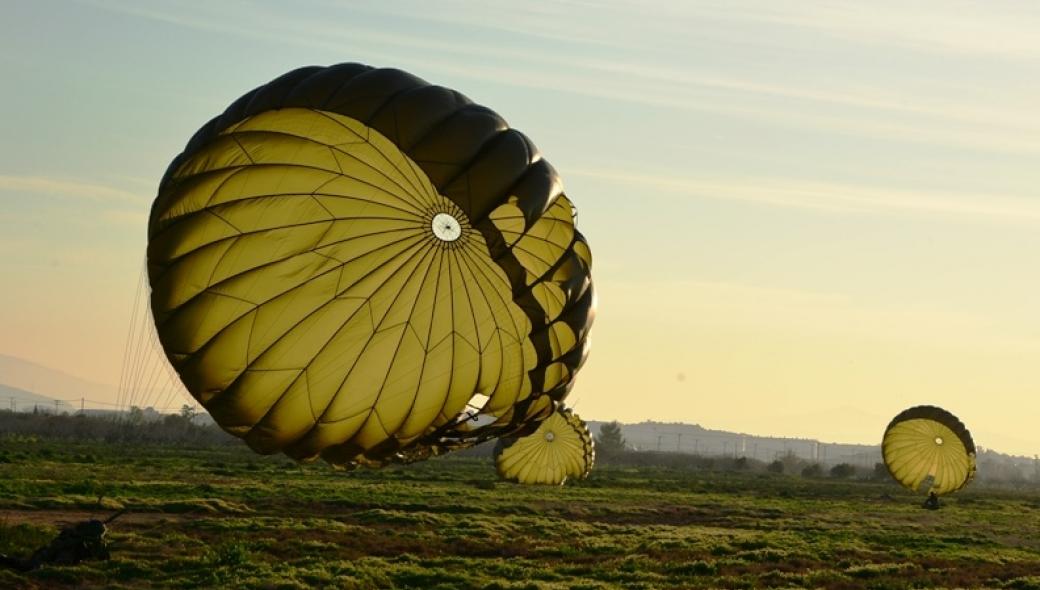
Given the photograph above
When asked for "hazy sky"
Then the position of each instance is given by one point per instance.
(804, 217)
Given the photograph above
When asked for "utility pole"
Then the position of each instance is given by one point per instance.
(82, 404)
(678, 441)
(56, 402)
(14, 404)
(659, 443)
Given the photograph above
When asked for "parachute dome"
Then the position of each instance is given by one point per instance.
(561, 447)
(355, 264)
(927, 449)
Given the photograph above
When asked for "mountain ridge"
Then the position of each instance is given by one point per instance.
(37, 379)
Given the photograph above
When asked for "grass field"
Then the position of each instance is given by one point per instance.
(226, 518)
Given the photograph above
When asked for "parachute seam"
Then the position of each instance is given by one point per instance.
(416, 192)
(432, 248)
(448, 422)
(365, 347)
(347, 377)
(429, 334)
(434, 126)
(221, 217)
(546, 277)
(343, 85)
(415, 248)
(236, 169)
(468, 259)
(296, 324)
(475, 269)
(245, 152)
(313, 250)
(520, 299)
(331, 222)
(485, 148)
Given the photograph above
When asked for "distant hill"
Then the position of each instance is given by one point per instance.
(33, 378)
(693, 438)
(19, 399)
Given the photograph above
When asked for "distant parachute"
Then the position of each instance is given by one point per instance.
(355, 264)
(561, 447)
(928, 450)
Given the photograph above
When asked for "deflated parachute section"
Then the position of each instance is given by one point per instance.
(355, 264)
(927, 449)
(561, 447)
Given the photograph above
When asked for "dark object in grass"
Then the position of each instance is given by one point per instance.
(76, 543)
(932, 502)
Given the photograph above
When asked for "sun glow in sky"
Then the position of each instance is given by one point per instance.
(804, 217)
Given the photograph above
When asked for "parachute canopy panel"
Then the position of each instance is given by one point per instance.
(348, 257)
(927, 449)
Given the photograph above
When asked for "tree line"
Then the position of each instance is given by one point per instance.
(613, 449)
(135, 426)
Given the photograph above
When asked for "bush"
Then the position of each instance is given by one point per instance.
(813, 470)
(843, 471)
(131, 428)
(880, 472)
(609, 441)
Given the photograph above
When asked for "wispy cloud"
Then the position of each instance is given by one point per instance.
(860, 97)
(68, 188)
(990, 29)
(545, 21)
(67, 221)
(244, 19)
(837, 198)
(995, 29)
(625, 75)
(136, 218)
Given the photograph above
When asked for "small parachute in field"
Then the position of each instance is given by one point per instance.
(354, 264)
(560, 447)
(928, 450)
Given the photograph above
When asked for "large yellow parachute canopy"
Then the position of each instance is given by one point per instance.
(355, 264)
(927, 449)
(561, 447)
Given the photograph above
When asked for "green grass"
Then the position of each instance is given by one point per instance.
(223, 517)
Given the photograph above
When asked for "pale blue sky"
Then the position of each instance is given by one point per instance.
(832, 205)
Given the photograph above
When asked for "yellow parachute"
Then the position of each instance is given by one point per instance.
(561, 447)
(929, 450)
(355, 264)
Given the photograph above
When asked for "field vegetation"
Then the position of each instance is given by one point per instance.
(208, 513)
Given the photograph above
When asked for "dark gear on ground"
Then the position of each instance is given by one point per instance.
(932, 502)
(76, 543)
